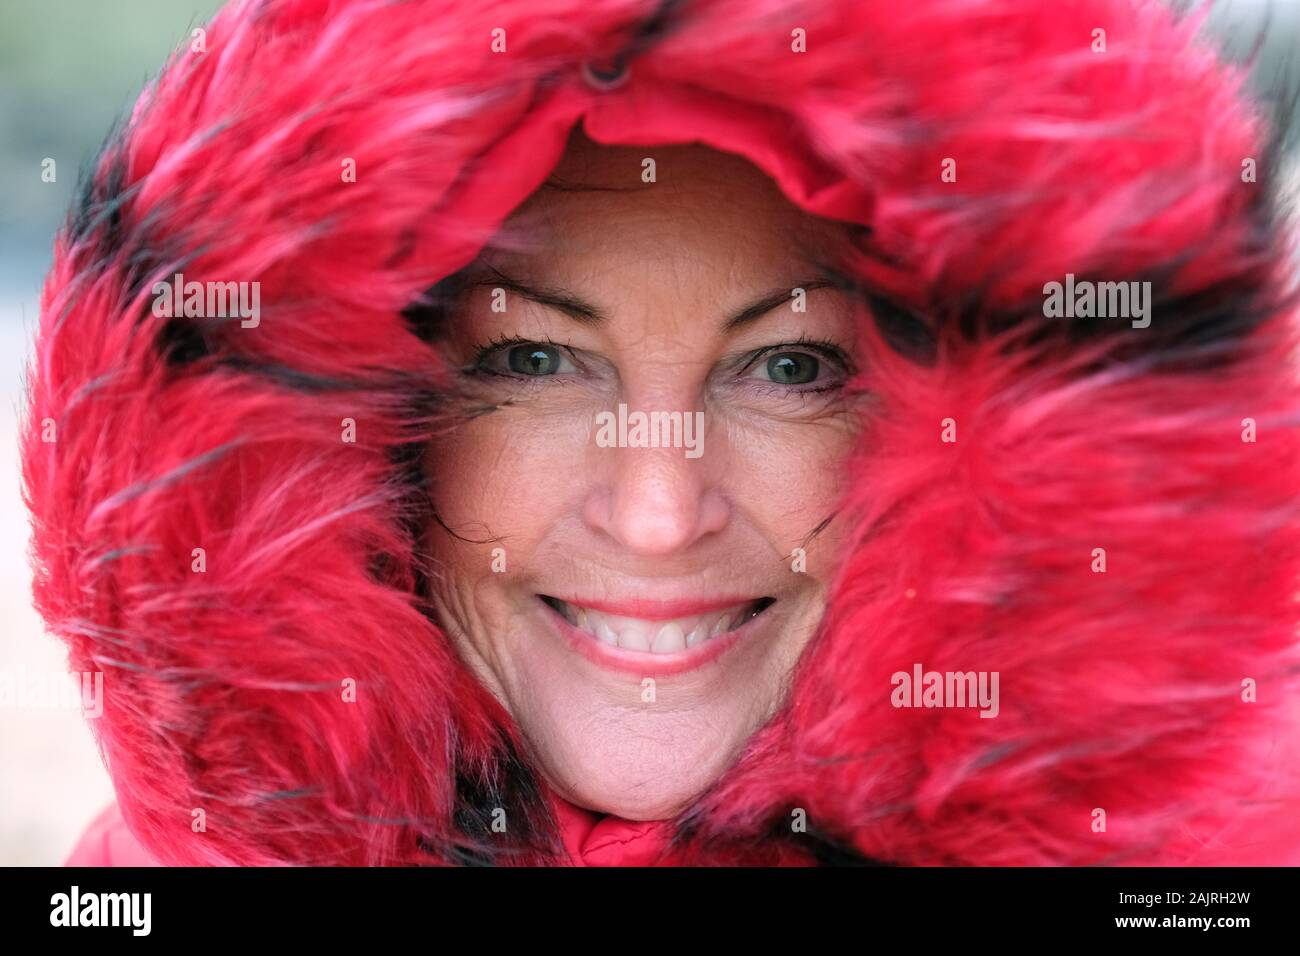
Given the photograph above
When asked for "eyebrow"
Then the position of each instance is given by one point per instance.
(770, 301)
(566, 302)
(588, 314)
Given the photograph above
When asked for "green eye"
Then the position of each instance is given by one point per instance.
(533, 360)
(793, 368)
(520, 358)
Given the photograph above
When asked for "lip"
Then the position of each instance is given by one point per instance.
(644, 663)
(651, 610)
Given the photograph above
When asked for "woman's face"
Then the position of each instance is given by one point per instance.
(637, 609)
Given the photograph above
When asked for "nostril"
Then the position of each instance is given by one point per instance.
(606, 75)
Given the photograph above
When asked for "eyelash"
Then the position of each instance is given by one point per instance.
(823, 347)
(502, 342)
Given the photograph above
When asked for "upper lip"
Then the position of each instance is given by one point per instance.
(651, 609)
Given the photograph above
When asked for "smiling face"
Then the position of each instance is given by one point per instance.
(639, 609)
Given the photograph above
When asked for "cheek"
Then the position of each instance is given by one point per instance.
(504, 474)
(788, 477)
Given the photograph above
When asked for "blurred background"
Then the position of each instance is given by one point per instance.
(68, 68)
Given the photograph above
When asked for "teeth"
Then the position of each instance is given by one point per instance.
(656, 637)
(669, 639)
(635, 636)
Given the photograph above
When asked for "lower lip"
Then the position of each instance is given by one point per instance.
(644, 663)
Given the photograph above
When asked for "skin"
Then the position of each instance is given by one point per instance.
(668, 264)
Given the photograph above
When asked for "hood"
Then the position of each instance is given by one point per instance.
(1102, 514)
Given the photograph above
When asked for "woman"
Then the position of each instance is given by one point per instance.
(702, 433)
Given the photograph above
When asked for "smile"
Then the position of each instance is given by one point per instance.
(657, 635)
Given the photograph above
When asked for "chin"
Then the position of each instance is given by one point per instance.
(638, 777)
(614, 797)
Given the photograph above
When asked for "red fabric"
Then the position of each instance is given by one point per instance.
(1122, 690)
(594, 839)
(590, 839)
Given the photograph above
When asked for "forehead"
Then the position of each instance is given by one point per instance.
(703, 207)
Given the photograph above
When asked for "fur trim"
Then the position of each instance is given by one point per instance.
(1120, 691)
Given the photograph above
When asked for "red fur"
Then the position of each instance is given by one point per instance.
(1119, 690)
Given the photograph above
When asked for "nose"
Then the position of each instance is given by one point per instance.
(655, 501)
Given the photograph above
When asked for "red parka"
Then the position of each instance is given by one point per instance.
(1115, 528)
